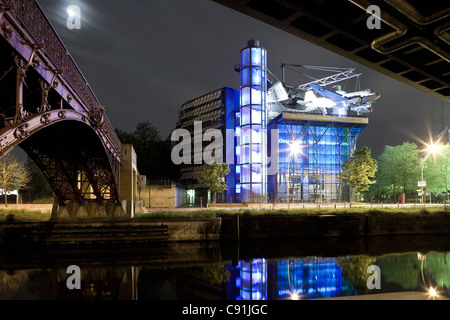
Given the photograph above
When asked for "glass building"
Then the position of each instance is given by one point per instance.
(282, 143)
(311, 150)
(215, 110)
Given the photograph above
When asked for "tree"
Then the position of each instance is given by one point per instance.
(13, 175)
(38, 187)
(153, 153)
(214, 177)
(437, 171)
(358, 170)
(399, 169)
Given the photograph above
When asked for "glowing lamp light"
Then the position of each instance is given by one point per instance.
(294, 296)
(433, 148)
(294, 148)
(432, 292)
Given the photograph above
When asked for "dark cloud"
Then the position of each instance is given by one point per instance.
(144, 59)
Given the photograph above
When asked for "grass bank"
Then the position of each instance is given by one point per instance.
(24, 215)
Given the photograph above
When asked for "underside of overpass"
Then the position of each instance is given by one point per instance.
(410, 44)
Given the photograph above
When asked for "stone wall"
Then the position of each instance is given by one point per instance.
(279, 227)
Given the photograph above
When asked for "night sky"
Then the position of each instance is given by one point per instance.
(144, 59)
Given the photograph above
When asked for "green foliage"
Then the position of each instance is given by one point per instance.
(403, 269)
(436, 171)
(398, 169)
(38, 186)
(406, 270)
(214, 177)
(358, 171)
(153, 154)
(438, 266)
(24, 215)
(354, 270)
(215, 273)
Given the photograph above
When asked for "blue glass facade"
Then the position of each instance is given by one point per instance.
(253, 123)
(310, 157)
(308, 151)
(300, 278)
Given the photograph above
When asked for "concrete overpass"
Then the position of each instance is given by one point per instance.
(412, 43)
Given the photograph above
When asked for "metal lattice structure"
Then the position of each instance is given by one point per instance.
(48, 109)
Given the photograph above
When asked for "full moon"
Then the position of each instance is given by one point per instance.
(71, 12)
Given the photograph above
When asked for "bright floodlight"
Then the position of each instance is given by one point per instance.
(294, 148)
(433, 148)
(432, 292)
(294, 296)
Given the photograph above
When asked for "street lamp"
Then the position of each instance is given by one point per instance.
(431, 148)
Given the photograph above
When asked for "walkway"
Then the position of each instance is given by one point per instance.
(407, 295)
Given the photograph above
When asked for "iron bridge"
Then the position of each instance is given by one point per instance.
(49, 110)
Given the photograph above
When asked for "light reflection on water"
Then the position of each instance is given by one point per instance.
(309, 277)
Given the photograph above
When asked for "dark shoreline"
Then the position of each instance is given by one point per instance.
(186, 242)
(239, 228)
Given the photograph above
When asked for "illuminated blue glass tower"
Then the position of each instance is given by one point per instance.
(253, 123)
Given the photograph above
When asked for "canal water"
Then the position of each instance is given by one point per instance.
(270, 270)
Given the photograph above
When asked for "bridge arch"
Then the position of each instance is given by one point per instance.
(76, 161)
(49, 110)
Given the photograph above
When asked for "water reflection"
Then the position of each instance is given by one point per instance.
(296, 278)
(308, 277)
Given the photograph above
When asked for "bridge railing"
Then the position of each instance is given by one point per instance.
(30, 14)
(34, 20)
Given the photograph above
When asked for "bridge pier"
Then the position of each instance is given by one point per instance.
(128, 179)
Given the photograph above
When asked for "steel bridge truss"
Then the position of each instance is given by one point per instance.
(48, 109)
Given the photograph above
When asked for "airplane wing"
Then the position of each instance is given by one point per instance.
(327, 93)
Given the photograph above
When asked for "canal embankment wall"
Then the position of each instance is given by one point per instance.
(278, 227)
(227, 228)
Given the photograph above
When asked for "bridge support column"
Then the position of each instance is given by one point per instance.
(128, 180)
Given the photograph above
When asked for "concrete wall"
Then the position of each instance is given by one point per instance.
(163, 196)
(280, 227)
(128, 179)
(91, 234)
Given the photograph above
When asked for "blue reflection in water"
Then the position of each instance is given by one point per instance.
(305, 278)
